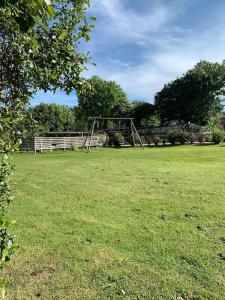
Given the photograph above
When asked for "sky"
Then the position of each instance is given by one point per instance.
(144, 44)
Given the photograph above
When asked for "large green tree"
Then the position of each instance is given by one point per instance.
(195, 96)
(53, 117)
(101, 99)
(142, 112)
(38, 50)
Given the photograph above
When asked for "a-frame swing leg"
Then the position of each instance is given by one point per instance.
(132, 133)
(92, 131)
(87, 137)
(139, 138)
(89, 133)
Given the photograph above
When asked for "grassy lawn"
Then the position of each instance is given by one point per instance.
(120, 224)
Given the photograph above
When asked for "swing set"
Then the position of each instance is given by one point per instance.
(98, 122)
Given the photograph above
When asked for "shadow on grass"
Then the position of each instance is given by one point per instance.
(203, 144)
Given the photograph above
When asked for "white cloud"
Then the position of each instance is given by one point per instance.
(125, 24)
(167, 50)
(118, 62)
(144, 50)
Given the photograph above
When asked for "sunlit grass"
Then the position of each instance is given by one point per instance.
(120, 224)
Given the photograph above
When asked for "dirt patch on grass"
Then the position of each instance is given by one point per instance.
(44, 275)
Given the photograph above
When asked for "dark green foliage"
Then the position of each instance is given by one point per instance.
(156, 140)
(183, 137)
(115, 139)
(81, 123)
(172, 137)
(29, 127)
(38, 50)
(218, 136)
(124, 110)
(179, 136)
(142, 113)
(200, 138)
(25, 13)
(101, 99)
(118, 139)
(194, 97)
(54, 117)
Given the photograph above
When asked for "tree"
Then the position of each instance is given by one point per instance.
(81, 122)
(42, 54)
(53, 117)
(102, 98)
(25, 13)
(193, 97)
(143, 113)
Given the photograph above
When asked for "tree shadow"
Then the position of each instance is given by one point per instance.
(203, 144)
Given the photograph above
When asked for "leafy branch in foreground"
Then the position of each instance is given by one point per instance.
(37, 51)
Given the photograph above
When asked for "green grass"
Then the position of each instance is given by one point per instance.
(120, 224)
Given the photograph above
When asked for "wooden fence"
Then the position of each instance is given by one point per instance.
(40, 144)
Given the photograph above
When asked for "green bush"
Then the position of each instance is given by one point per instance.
(218, 136)
(183, 137)
(114, 139)
(172, 137)
(200, 138)
(192, 138)
(156, 140)
(117, 139)
(179, 136)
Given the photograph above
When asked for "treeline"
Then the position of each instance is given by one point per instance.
(194, 97)
(45, 118)
(101, 98)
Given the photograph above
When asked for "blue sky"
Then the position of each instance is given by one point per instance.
(143, 44)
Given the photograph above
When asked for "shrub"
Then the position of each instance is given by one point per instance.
(118, 139)
(218, 136)
(178, 136)
(74, 147)
(156, 140)
(172, 137)
(208, 138)
(183, 137)
(114, 139)
(192, 139)
(201, 138)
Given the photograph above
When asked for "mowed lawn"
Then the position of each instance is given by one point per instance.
(120, 224)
